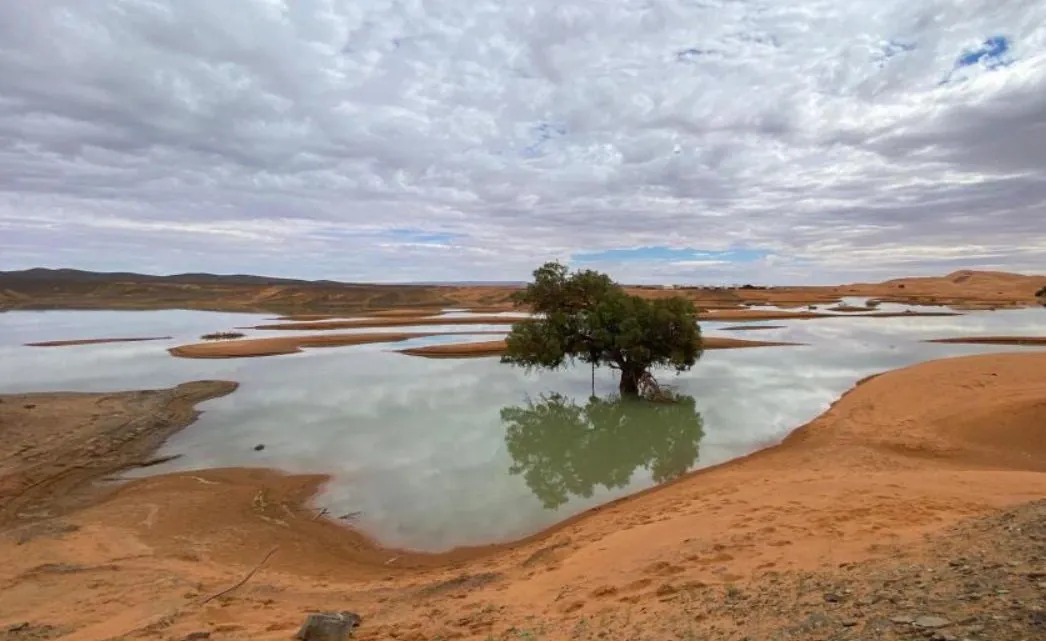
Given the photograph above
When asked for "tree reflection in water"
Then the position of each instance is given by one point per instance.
(563, 449)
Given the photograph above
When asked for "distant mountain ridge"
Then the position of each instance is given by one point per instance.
(71, 275)
(204, 278)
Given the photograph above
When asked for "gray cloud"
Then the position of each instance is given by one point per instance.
(314, 138)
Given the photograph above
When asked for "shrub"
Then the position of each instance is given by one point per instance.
(218, 336)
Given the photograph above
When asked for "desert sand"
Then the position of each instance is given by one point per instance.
(96, 341)
(843, 531)
(68, 289)
(254, 347)
(496, 348)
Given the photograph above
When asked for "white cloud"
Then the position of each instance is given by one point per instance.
(280, 137)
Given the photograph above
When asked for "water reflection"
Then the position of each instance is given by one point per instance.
(563, 449)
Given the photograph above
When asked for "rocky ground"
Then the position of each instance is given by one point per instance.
(984, 579)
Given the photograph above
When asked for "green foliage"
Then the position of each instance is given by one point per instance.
(563, 449)
(585, 316)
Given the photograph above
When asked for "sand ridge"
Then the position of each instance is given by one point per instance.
(902, 455)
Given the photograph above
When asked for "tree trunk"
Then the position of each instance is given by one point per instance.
(629, 385)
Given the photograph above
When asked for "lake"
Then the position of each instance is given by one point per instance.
(432, 454)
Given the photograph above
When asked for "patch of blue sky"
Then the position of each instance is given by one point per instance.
(668, 255)
(993, 53)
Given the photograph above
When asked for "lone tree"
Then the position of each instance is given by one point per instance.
(584, 316)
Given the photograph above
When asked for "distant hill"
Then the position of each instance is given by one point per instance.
(78, 275)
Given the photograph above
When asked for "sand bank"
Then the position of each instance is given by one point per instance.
(496, 348)
(748, 328)
(252, 347)
(770, 314)
(757, 545)
(712, 315)
(95, 341)
(411, 320)
(993, 340)
(64, 443)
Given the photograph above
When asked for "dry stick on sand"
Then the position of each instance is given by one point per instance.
(245, 579)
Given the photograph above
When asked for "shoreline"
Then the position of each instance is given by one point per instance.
(188, 395)
(901, 455)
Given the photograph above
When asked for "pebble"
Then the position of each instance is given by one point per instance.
(930, 622)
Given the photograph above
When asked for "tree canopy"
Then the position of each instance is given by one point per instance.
(585, 316)
(563, 449)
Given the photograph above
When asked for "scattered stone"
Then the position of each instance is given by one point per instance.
(259, 447)
(18, 627)
(29, 406)
(930, 622)
(831, 598)
(328, 626)
(902, 620)
(198, 636)
(849, 623)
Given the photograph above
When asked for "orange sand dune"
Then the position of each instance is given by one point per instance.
(251, 347)
(95, 341)
(496, 348)
(993, 340)
(963, 287)
(903, 455)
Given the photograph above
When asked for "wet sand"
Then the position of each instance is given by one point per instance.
(96, 341)
(279, 345)
(369, 323)
(769, 314)
(496, 348)
(993, 340)
(845, 500)
(748, 328)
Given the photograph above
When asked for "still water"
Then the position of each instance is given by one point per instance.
(432, 454)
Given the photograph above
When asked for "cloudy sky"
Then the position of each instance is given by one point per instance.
(659, 140)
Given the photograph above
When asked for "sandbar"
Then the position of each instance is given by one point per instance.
(993, 340)
(278, 345)
(95, 341)
(496, 348)
(748, 328)
(408, 321)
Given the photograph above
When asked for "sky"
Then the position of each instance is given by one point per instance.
(661, 141)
